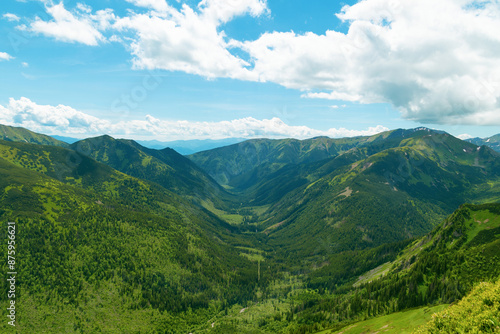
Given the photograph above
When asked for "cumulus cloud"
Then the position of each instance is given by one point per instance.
(5, 56)
(79, 26)
(437, 62)
(189, 40)
(26, 113)
(65, 120)
(225, 10)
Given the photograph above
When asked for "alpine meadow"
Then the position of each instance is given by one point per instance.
(250, 166)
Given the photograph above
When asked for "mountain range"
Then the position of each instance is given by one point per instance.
(260, 236)
(184, 147)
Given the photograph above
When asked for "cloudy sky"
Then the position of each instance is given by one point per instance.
(185, 69)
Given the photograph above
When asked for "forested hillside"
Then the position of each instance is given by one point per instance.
(92, 239)
(391, 187)
(164, 167)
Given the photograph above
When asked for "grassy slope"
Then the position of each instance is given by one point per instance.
(395, 323)
(10, 133)
(478, 312)
(436, 269)
(389, 196)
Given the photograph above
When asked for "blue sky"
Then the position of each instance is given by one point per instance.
(168, 70)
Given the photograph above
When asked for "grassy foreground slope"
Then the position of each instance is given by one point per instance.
(479, 312)
(396, 323)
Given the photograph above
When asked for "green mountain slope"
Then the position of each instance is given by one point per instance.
(241, 165)
(10, 133)
(126, 242)
(388, 196)
(110, 251)
(164, 167)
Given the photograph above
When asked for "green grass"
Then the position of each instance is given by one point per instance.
(253, 257)
(252, 250)
(482, 220)
(374, 274)
(253, 254)
(397, 323)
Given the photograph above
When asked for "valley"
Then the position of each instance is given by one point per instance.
(261, 236)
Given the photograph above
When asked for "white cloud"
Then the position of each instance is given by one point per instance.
(464, 136)
(26, 113)
(225, 10)
(333, 96)
(437, 62)
(73, 27)
(68, 121)
(11, 17)
(189, 41)
(25, 64)
(5, 56)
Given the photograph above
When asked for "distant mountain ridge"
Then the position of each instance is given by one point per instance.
(403, 189)
(186, 147)
(183, 147)
(236, 164)
(355, 192)
(492, 142)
